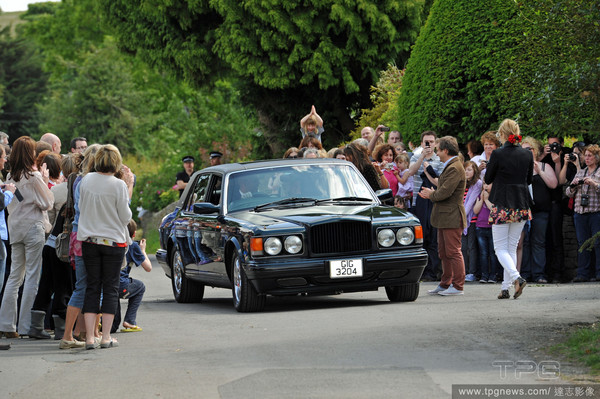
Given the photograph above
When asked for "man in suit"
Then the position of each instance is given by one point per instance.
(449, 217)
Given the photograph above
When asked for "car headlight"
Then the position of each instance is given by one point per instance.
(386, 238)
(293, 244)
(405, 236)
(272, 246)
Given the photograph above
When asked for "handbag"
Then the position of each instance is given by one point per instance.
(67, 213)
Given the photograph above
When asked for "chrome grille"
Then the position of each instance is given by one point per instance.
(340, 237)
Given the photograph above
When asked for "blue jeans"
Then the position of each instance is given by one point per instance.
(586, 225)
(2, 263)
(78, 295)
(486, 251)
(537, 245)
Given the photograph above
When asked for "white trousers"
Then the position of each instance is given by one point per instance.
(506, 239)
(26, 262)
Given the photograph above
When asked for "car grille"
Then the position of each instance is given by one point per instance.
(341, 237)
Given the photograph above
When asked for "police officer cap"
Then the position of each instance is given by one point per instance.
(215, 154)
(188, 158)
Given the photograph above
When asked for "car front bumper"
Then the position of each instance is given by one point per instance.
(284, 276)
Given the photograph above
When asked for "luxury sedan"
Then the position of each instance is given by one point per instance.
(287, 227)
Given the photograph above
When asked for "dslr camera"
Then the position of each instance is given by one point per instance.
(555, 148)
(572, 157)
(580, 182)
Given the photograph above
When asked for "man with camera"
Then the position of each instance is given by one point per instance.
(585, 189)
(426, 167)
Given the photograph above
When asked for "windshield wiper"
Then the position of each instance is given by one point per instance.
(357, 199)
(287, 201)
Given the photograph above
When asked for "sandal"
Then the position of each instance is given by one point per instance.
(131, 329)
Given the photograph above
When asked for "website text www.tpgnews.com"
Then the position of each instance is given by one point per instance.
(530, 391)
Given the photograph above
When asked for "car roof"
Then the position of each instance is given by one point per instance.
(235, 167)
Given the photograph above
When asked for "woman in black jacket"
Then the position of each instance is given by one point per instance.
(510, 168)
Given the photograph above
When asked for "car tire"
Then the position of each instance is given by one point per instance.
(403, 293)
(184, 289)
(245, 297)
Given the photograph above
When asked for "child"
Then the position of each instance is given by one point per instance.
(129, 288)
(405, 181)
(469, 236)
(312, 124)
(483, 230)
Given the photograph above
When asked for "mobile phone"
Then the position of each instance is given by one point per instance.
(385, 129)
(18, 195)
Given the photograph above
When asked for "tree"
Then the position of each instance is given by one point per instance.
(22, 84)
(476, 63)
(293, 53)
(456, 68)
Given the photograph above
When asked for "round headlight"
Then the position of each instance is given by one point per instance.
(405, 236)
(385, 238)
(272, 246)
(293, 244)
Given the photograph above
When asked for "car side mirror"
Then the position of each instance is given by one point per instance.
(203, 208)
(385, 196)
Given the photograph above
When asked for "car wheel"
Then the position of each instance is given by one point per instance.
(245, 297)
(403, 293)
(184, 289)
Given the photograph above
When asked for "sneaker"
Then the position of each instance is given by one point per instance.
(470, 278)
(450, 291)
(491, 281)
(580, 279)
(483, 280)
(437, 290)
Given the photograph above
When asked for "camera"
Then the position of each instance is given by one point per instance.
(572, 157)
(555, 148)
(585, 200)
(580, 182)
(385, 129)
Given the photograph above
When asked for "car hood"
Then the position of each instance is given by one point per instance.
(282, 218)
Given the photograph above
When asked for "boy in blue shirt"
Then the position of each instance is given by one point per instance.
(130, 288)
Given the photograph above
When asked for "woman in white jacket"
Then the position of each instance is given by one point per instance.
(27, 224)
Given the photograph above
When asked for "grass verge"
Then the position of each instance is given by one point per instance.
(152, 241)
(582, 346)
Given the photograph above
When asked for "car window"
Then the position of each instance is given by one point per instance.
(199, 191)
(250, 188)
(214, 196)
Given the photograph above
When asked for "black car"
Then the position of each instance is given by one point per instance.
(286, 227)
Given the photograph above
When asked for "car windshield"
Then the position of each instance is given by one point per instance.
(295, 185)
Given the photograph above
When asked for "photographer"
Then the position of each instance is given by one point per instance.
(585, 188)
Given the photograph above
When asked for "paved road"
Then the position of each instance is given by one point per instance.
(347, 346)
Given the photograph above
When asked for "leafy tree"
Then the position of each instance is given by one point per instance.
(476, 63)
(555, 81)
(384, 96)
(295, 53)
(456, 69)
(22, 84)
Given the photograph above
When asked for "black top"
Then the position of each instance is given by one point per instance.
(183, 176)
(542, 195)
(511, 170)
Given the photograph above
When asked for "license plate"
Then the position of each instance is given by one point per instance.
(345, 268)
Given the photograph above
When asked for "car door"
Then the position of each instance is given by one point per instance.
(185, 225)
(211, 234)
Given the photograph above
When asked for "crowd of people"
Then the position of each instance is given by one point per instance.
(513, 229)
(67, 243)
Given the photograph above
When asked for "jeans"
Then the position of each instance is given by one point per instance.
(103, 265)
(469, 246)
(26, 264)
(535, 264)
(586, 225)
(78, 295)
(2, 263)
(555, 252)
(506, 239)
(488, 262)
(134, 294)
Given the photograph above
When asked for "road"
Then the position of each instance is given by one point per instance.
(347, 346)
